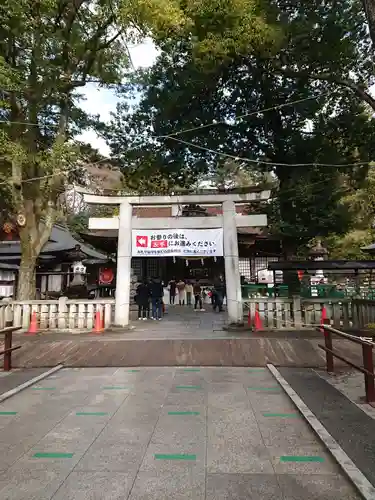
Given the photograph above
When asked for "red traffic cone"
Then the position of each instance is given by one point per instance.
(323, 318)
(33, 328)
(97, 323)
(258, 324)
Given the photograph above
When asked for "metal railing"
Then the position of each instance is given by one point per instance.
(8, 348)
(368, 362)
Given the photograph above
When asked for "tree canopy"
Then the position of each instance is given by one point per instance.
(285, 111)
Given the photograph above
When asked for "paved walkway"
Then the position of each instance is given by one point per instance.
(10, 380)
(162, 434)
(181, 322)
(350, 424)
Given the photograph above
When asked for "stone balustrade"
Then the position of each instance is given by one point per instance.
(277, 313)
(63, 314)
(298, 313)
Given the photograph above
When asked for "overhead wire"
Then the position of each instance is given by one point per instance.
(266, 162)
(251, 113)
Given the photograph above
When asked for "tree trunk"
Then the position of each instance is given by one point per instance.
(26, 276)
(369, 8)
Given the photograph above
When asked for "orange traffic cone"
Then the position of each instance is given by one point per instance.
(258, 324)
(102, 322)
(33, 328)
(97, 323)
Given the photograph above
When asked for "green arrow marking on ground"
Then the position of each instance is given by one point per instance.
(192, 387)
(191, 369)
(183, 413)
(133, 371)
(301, 459)
(53, 455)
(92, 413)
(175, 457)
(282, 415)
(43, 388)
(8, 413)
(114, 387)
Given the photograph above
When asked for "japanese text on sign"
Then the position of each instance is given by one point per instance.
(188, 242)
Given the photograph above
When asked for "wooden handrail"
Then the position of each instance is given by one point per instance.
(8, 349)
(347, 336)
(368, 363)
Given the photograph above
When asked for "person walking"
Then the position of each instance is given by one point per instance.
(189, 293)
(181, 292)
(172, 291)
(197, 290)
(157, 292)
(143, 301)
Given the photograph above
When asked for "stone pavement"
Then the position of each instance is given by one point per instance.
(162, 434)
(181, 322)
(10, 380)
(352, 425)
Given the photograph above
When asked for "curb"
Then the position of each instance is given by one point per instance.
(30, 382)
(359, 480)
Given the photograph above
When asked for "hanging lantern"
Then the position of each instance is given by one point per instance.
(106, 276)
(8, 227)
(187, 262)
(174, 260)
(202, 262)
(8, 230)
(215, 259)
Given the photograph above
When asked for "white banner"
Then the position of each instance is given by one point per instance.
(173, 242)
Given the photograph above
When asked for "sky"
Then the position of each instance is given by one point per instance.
(102, 101)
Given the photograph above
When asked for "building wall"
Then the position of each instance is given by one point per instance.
(250, 266)
(54, 282)
(7, 279)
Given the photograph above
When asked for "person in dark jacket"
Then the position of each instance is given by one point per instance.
(218, 294)
(157, 292)
(172, 291)
(197, 291)
(143, 300)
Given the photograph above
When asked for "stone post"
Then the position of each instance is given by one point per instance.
(124, 249)
(232, 271)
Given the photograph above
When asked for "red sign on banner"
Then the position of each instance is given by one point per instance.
(159, 244)
(142, 241)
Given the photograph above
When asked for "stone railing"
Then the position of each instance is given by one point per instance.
(63, 314)
(298, 313)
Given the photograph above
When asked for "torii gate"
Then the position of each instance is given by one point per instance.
(229, 221)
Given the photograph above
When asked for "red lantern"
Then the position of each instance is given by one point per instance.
(8, 230)
(106, 276)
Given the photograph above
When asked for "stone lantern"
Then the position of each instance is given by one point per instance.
(78, 284)
(318, 253)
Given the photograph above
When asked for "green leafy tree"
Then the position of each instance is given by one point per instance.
(49, 50)
(192, 116)
(328, 45)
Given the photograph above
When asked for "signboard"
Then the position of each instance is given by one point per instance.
(172, 242)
